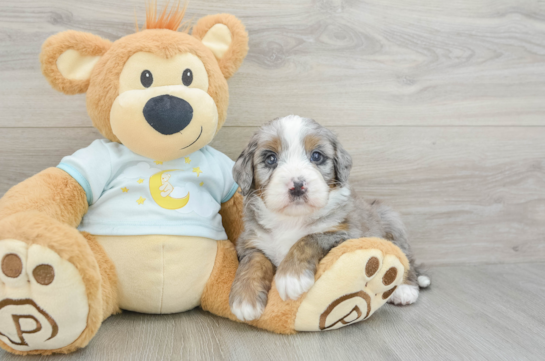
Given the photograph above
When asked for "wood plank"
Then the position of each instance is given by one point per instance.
(469, 313)
(400, 62)
(467, 195)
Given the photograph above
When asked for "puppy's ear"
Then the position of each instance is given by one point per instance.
(342, 162)
(68, 58)
(243, 170)
(226, 37)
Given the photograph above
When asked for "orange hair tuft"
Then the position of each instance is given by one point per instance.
(171, 20)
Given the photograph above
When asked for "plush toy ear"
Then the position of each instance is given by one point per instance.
(68, 59)
(226, 37)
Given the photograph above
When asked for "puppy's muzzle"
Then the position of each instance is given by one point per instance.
(168, 114)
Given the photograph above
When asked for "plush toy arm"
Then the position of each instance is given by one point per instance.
(52, 192)
(231, 213)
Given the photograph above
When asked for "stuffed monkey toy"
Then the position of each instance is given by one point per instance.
(145, 219)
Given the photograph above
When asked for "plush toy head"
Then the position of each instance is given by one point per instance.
(161, 92)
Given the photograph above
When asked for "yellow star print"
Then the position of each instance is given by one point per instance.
(201, 184)
(187, 160)
(140, 180)
(197, 170)
(157, 162)
(140, 200)
(125, 189)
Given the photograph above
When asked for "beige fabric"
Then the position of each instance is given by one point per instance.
(41, 317)
(74, 66)
(218, 39)
(337, 298)
(160, 274)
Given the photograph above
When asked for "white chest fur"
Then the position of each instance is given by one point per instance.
(277, 243)
(281, 231)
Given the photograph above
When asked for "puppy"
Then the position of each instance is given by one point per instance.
(297, 206)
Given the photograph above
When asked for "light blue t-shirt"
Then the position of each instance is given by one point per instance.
(133, 195)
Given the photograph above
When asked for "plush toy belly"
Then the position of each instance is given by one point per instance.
(158, 273)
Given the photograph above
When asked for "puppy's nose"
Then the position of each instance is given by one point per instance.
(168, 114)
(298, 189)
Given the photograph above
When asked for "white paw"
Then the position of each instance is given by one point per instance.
(247, 312)
(424, 281)
(404, 295)
(292, 287)
(43, 302)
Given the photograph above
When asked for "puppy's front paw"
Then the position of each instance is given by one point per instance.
(291, 285)
(246, 311)
(247, 300)
(404, 295)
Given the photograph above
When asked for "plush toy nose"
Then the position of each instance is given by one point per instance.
(168, 114)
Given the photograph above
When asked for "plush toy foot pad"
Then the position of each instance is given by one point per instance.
(352, 287)
(43, 303)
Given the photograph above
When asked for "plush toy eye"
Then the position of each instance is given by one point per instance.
(187, 77)
(146, 78)
(316, 157)
(271, 159)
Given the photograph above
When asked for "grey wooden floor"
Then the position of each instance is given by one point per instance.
(441, 104)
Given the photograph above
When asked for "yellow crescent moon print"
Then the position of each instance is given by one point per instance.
(167, 202)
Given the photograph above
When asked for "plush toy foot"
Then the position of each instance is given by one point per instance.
(352, 282)
(43, 303)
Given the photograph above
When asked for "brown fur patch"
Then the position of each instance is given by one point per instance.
(339, 227)
(303, 256)
(253, 280)
(274, 144)
(311, 142)
(52, 192)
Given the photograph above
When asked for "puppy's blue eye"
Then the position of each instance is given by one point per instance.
(271, 159)
(316, 157)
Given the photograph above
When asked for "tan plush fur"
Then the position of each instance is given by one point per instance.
(231, 215)
(36, 228)
(109, 277)
(86, 44)
(52, 192)
(232, 59)
(362, 243)
(215, 298)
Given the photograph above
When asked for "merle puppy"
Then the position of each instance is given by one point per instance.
(298, 205)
